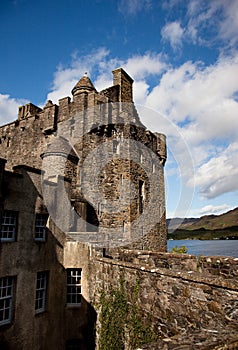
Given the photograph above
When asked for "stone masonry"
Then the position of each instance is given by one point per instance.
(105, 123)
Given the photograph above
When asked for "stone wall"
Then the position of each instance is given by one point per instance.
(180, 301)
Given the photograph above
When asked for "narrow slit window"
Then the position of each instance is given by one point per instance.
(141, 196)
(153, 167)
(116, 147)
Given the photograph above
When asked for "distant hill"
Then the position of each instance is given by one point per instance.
(180, 223)
(206, 227)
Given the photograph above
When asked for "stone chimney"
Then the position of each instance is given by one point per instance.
(121, 78)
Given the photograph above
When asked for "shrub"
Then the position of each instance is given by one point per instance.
(179, 250)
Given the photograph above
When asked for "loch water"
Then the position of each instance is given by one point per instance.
(207, 247)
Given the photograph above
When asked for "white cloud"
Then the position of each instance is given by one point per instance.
(140, 91)
(66, 77)
(214, 209)
(221, 17)
(198, 212)
(132, 7)
(200, 99)
(219, 174)
(229, 26)
(173, 32)
(140, 67)
(9, 108)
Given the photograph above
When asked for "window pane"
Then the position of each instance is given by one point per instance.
(8, 226)
(6, 295)
(41, 285)
(40, 226)
(74, 286)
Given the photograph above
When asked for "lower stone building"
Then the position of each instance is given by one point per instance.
(43, 283)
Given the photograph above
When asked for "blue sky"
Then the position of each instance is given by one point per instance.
(183, 57)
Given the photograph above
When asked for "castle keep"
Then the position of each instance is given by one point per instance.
(96, 128)
(83, 262)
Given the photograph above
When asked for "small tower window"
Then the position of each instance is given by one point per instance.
(141, 195)
(116, 147)
(153, 167)
(141, 157)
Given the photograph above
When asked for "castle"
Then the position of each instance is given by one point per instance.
(83, 260)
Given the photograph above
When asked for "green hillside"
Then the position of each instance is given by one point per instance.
(224, 226)
(212, 222)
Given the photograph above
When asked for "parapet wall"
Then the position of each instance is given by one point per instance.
(178, 300)
(202, 267)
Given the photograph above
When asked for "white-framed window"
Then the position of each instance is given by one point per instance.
(41, 289)
(40, 226)
(9, 226)
(74, 286)
(6, 299)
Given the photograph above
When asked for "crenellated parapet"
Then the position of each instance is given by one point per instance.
(27, 111)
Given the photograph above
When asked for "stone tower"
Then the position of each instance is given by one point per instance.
(118, 193)
(108, 166)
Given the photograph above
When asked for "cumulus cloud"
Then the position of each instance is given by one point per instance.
(202, 102)
(9, 108)
(220, 16)
(142, 66)
(200, 99)
(229, 26)
(214, 209)
(66, 77)
(198, 212)
(173, 32)
(205, 22)
(219, 174)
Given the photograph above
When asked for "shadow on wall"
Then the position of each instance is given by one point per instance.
(83, 335)
(59, 326)
(89, 331)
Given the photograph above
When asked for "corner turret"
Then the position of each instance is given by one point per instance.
(83, 85)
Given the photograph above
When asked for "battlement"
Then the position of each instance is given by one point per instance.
(35, 126)
(27, 111)
(84, 96)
